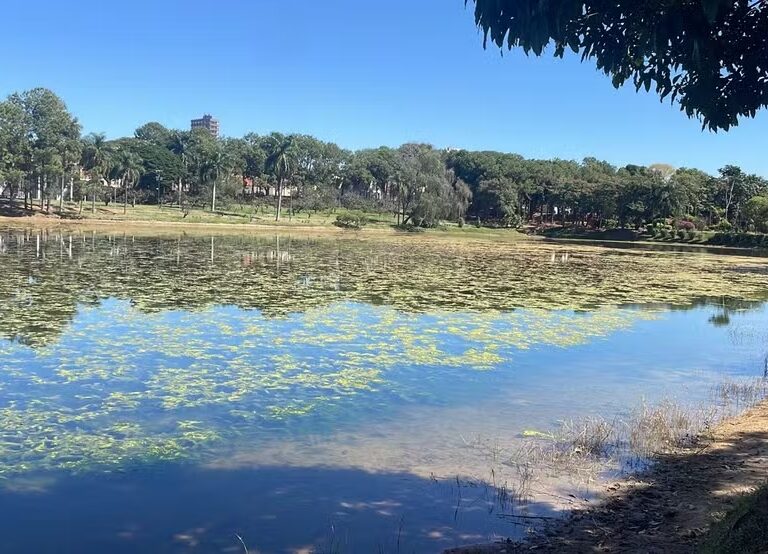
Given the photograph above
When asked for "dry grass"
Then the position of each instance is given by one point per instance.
(582, 448)
(665, 427)
(590, 436)
(741, 395)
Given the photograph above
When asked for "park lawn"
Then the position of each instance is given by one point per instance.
(245, 216)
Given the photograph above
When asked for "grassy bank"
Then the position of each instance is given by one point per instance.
(236, 219)
(234, 214)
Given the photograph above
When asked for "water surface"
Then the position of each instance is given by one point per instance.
(171, 393)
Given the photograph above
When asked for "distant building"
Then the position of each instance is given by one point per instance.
(207, 122)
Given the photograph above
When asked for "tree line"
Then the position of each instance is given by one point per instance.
(43, 157)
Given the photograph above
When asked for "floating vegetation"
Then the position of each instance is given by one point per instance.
(47, 275)
(121, 351)
(69, 410)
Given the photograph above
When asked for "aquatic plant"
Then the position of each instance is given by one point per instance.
(122, 350)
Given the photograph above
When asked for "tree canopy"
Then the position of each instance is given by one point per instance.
(42, 155)
(710, 56)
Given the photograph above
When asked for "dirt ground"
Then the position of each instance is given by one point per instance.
(669, 507)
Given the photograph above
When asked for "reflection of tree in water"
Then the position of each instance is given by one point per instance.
(741, 332)
(46, 274)
(728, 307)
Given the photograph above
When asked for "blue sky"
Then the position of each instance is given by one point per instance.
(359, 73)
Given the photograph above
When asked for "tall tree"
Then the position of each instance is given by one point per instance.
(129, 168)
(178, 143)
(51, 135)
(735, 189)
(15, 147)
(98, 157)
(280, 163)
(219, 164)
(155, 133)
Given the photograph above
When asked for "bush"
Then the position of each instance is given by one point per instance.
(723, 225)
(350, 221)
(410, 228)
(513, 220)
(699, 222)
(685, 225)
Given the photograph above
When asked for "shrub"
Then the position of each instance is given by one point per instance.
(411, 228)
(350, 221)
(685, 225)
(699, 222)
(723, 225)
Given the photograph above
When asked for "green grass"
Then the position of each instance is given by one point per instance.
(744, 530)
(234, 214)
(246, 215)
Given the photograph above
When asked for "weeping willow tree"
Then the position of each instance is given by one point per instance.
(709, 56)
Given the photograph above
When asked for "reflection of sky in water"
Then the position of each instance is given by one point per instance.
(320, 426)
(338, 393)
(180, 382)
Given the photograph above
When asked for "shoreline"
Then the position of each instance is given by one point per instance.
(275, 228)
(657, 246)
(377, 230)
(374, 230)
(669, 507)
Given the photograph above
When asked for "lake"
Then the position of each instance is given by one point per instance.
(191, 393)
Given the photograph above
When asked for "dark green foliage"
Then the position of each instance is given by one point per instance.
(421, 185)
(709, 55)
(756, 211)
(160, 167)
(154, 133)
(351, 221)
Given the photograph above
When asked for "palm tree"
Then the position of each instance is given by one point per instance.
(280, 162)
(179, 145)
(129, 168)
(219, 163)
(98, 157)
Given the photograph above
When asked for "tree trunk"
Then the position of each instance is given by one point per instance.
(180, 185)
(125, 195)
(61, 197)
(213, 198)
(279, 198)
